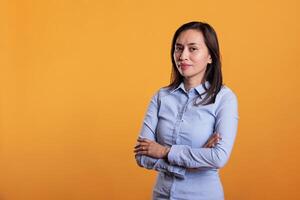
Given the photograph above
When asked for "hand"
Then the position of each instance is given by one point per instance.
(151, 148)
(212, 141)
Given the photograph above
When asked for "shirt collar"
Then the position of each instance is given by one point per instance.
(199, 88)
(178, 87)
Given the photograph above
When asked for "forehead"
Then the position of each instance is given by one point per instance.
(190, 36)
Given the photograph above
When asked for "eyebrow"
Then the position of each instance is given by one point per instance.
(189, 44)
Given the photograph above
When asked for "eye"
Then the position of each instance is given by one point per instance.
(193, 49)
(178, 48)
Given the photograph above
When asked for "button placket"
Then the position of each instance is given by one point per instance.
(179, 121)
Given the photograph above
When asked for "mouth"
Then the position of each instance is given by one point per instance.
(184, 66)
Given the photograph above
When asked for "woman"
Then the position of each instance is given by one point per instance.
(190, 126)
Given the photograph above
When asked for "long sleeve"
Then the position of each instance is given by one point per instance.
(226, 125)
(148, 131)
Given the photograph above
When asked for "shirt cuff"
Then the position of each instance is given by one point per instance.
(172, 155)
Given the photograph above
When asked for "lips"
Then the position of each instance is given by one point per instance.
(184, 66)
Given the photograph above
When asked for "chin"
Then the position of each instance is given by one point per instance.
(186, 75)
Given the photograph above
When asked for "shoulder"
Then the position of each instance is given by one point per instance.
(226, 103)
(162, 92)
(226, 94)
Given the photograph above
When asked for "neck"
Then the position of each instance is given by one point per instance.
(191, 83)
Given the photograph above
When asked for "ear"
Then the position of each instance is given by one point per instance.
(209, 60)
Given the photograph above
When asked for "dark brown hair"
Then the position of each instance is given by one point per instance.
(213, 73)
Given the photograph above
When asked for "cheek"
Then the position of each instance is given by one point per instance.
(200, 58)
(176, 56)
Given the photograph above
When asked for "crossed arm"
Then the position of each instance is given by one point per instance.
(178, 158)
(155, 150)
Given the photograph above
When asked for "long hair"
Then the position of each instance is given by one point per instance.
(213, 73)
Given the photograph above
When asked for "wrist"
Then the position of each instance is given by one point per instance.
(167, 150)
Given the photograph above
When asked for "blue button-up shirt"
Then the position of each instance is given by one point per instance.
(172, 119)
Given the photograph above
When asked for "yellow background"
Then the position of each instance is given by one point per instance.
(77, 76)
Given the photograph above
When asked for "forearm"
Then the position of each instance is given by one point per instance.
(160, 165)
(215, 157)
(187, 157)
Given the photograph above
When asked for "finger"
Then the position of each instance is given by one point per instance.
(137, 144)
(143, 140)
(210, 145)
(140, 145)
(137, 150)
(212, 138)
(141, 148)
(218, 135)
(141, 153)
(207, 145)
(215, 135)
(143, 144)
(211, 142)
(215, 142)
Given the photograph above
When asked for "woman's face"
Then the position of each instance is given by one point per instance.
(191, 55)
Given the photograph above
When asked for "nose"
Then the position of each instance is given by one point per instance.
(183, 55)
